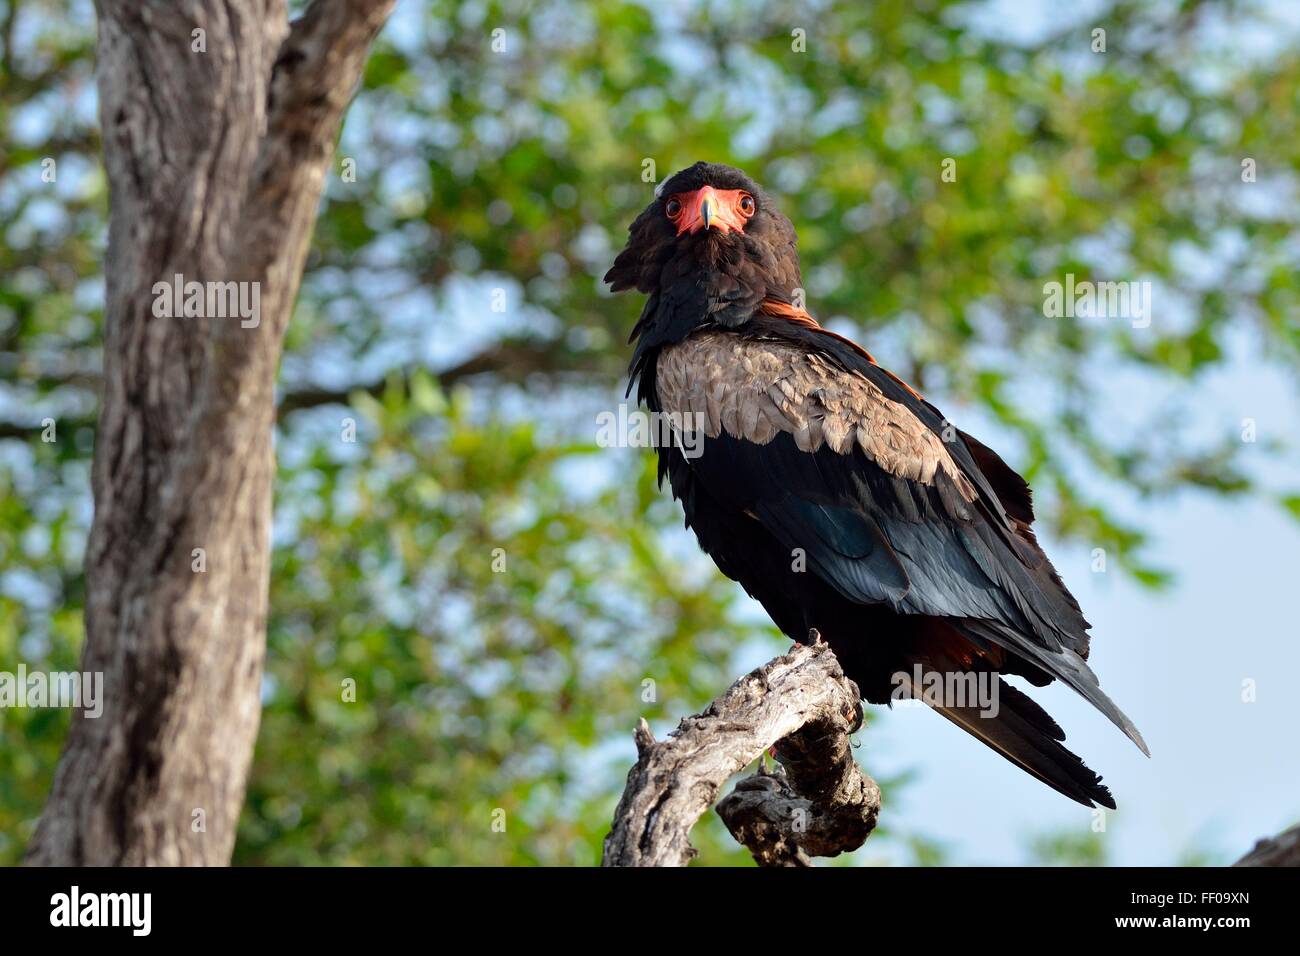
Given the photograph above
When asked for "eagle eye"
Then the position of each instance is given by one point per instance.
(673, 208)
(747, 205)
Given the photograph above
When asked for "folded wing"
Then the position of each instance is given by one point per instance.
(889, 502)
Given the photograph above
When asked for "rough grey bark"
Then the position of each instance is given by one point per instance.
(821, 804)
(1281, 850)
(215, 161)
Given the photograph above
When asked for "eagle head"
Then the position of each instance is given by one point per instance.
(712, 239)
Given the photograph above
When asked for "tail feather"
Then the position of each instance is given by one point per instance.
(1065, 664)
(1023, 732)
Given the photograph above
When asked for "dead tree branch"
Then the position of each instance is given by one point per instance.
(1281, 850)
(821, 804)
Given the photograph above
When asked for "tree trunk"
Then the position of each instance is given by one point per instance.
(216, 146)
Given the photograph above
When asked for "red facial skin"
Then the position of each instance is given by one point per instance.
(724, 210)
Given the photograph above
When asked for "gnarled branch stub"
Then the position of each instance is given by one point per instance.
(819, 804)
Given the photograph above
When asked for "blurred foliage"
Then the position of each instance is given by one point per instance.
(516, 172)
(1068, 848)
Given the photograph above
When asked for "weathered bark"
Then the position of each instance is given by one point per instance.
(215, 161)
(817, 803)
(821, 805)
(1281, 850)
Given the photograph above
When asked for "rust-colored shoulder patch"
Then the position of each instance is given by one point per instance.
(785, 310)
(754, 389)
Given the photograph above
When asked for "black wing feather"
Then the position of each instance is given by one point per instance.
(922, 549)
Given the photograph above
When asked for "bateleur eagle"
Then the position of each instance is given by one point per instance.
(834, 493)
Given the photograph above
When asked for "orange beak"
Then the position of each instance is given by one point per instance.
(710, 208)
